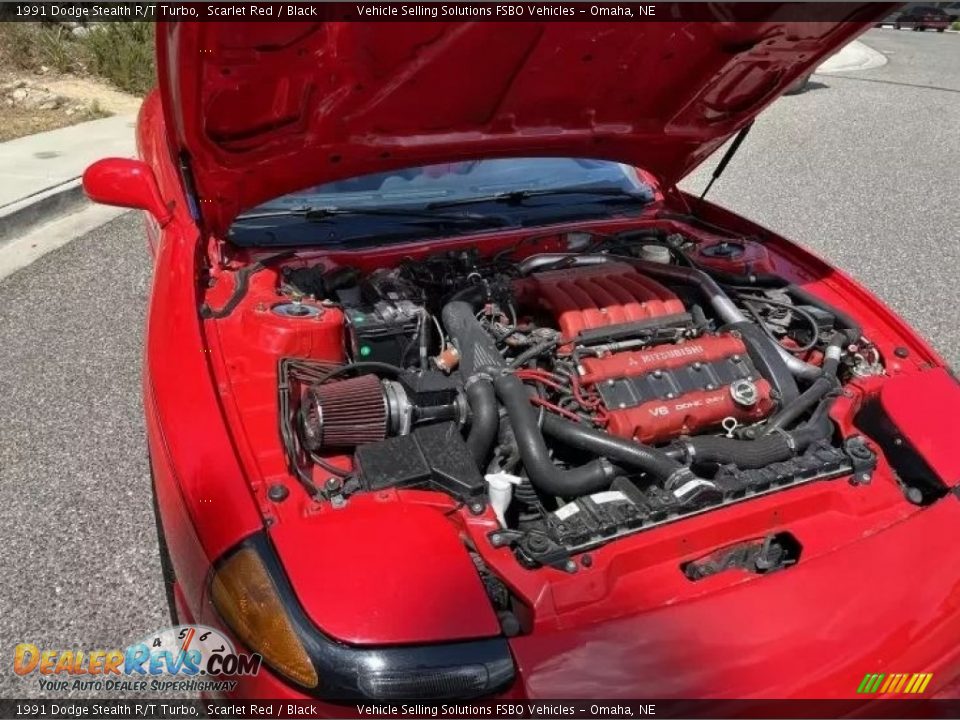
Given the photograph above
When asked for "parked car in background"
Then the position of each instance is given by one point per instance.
(923, 17)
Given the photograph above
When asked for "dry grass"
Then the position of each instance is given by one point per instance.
(18, 122)
(121, 53)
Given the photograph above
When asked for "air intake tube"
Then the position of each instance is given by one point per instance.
(479, 360)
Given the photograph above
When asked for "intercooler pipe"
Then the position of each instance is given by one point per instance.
(484, 418)
(587, 478)
(725, 308)
(813, 394)
(479, 360)
(625, 453)
(762, 280)
(751, 454)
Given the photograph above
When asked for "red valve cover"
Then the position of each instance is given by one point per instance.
(584, 298)
(670, 390)
(657, 393)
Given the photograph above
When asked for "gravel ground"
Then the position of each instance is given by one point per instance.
(863, 168)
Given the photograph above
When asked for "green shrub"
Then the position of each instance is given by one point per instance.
(956, 25)
(30, 46)
(122, 53)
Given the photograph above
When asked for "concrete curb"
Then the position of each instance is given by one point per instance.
(854, 57)
(20, 217)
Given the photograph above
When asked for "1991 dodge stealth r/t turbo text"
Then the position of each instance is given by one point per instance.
(451, 393)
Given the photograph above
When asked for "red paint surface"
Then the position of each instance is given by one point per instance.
(924, 409)
(406, 578)
(264, 109)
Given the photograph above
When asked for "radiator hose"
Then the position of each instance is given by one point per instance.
(751, 454)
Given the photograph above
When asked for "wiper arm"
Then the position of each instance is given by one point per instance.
(422, 215)
(517, 197)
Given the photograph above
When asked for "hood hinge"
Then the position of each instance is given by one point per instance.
(189, 187)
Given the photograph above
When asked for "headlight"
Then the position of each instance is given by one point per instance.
(247, 599)
(254, 598)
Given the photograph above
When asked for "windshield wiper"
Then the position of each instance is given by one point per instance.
(517, 197)
(420, 215)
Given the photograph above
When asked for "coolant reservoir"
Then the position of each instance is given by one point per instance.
(655, 253)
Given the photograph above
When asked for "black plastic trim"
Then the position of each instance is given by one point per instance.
(908, 463)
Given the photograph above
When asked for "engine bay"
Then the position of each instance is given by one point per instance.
(630, 380)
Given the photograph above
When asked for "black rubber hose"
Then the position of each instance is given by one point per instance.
(484, 419)
(760, 280)
(750, 454)
(813, 394)
(852, 329)
(764, 354)
(742, 453)
(625, 453)
(583, 480)
(533, 352)
(478, 351)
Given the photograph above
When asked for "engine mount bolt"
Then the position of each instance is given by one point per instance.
(670, 396)
(476, 508)
(901, 352)
(711, 386)
(737, 358)
(697, 365)
(278, 492)
(658, 373)
(915, 495)
(496, 540)
(570, 566)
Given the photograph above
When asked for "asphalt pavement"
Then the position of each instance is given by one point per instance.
(863, 168)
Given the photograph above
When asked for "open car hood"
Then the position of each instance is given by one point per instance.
(259, 110)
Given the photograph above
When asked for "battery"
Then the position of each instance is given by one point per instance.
(384, 332)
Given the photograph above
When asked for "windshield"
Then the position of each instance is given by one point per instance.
(433, 198)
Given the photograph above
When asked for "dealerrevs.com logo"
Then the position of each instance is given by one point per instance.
(178, 659)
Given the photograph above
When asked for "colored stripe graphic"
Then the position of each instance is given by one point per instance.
(893, 683)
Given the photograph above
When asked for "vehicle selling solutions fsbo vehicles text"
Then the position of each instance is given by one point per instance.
(502, 10)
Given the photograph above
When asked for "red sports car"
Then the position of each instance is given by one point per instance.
(451, 393)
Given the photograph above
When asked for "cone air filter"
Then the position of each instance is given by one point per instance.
(344, 413)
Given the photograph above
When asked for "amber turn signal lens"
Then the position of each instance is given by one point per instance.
(247, 599)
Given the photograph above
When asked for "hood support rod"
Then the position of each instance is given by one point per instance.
(727, 157)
